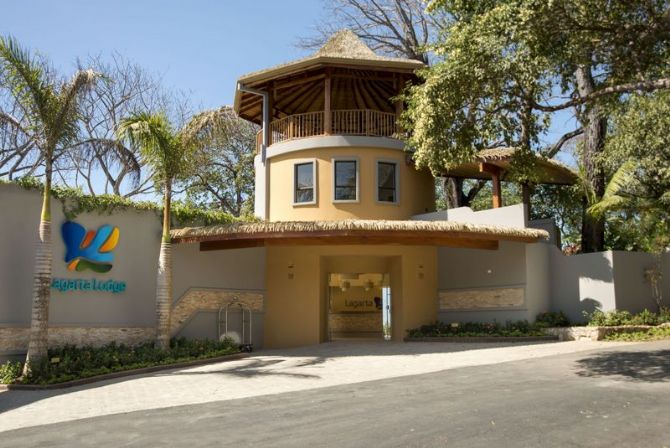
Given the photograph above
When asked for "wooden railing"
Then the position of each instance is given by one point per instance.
(366, 122)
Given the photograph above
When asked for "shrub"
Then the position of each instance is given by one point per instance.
(552, 319)
(646, 317)
(644, 335)
(10, 372)
(70, 362)
(616, 318)
(475, 329)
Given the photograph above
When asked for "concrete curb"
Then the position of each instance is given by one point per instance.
(484, 339)
(124, 373)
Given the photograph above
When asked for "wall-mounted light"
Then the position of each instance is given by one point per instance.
(368, 285)
(290, 270)
(344, 286)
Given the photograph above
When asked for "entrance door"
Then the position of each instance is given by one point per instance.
(359, 306)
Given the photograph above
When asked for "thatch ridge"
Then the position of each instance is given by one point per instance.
(354, 225)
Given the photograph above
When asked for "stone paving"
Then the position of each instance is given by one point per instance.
(266, 372)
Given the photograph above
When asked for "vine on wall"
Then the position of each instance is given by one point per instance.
(75, 202)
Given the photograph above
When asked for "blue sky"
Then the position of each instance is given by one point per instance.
(198, 46)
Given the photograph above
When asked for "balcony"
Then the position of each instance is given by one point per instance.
(363, 122)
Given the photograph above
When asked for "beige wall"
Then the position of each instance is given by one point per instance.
(416, 189)
(296, 301)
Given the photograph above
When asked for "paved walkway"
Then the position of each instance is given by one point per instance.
(266, 373)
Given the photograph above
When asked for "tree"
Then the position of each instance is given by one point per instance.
(124, 87)
(395, 27)
(51, 111)
(638, 153)
(171, 154)
(225, 179)
(506, 67)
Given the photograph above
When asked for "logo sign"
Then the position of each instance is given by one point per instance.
(91, 250)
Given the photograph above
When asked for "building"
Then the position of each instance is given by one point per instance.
(347, 245)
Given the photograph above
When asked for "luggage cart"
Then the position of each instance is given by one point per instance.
(245, 313)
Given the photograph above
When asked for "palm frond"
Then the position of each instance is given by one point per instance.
(27, 78)
(64, 125)
(615, 196)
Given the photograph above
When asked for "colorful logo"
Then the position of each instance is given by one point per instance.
(89, 250)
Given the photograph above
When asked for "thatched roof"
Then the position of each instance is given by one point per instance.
(298, 85)
(355, 232)
(549, 171)
(343, 47)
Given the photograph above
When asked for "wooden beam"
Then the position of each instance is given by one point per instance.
(327, 109)
(351, 240)
(495, 173)
(297, 81)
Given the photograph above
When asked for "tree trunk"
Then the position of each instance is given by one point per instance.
(39, 321)
(453, 191)
(595, 128)
(164, 278)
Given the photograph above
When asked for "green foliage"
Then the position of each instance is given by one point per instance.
(615, 318)
(476, 329)
(651, 334)
(637, 197)
(225, 178)
(552, 319)
(75, 202)
(479, 92)
(70, 362)
(10, 372)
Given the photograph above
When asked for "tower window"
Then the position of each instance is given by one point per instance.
(304, 175)
(387, 182)
(346, 180)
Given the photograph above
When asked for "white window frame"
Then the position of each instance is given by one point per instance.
(358, 179)
(395, 162)
(315, 182)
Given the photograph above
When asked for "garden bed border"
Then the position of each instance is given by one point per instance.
(124, 373)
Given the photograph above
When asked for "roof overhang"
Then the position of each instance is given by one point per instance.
(548, 171)
(354, 232)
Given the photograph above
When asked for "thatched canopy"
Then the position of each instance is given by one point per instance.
(436, 233)
(359, 79)
(548, 171)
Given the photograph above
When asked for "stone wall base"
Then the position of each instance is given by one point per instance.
(15, 339)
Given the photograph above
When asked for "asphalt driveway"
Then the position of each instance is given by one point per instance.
(550, 395)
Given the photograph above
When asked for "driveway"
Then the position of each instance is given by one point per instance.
(266, 373)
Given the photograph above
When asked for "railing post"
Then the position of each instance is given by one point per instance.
(327, 114)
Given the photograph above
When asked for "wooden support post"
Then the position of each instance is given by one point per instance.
(327, 113)
(399, 84)
(495, 173)
(271, 107)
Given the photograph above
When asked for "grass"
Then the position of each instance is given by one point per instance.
(71, 363)
(652, 334)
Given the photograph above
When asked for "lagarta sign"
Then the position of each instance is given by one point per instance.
(91, 250)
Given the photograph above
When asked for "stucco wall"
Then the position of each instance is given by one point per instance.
(297, 279)
(472, 269)
(416, 189)
(101, 315)
(135, 261)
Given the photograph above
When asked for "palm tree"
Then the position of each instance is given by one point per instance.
(171, 154)
(51, 112)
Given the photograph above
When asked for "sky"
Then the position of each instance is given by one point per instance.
(199, 47)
